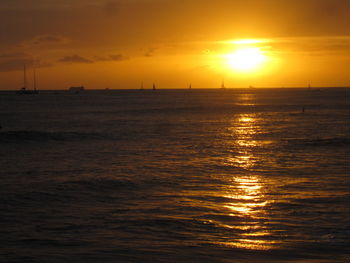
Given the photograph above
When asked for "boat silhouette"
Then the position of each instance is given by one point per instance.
(24, 89)
(223, 85)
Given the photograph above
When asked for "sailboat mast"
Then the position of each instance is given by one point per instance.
(34, 78)
(24, 77)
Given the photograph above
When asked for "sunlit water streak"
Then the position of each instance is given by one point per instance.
(175, 176)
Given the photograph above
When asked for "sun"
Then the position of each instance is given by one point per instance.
(246, 59)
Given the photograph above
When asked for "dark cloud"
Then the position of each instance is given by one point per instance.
(99, 58)
(14, 64)
(47, 3)
(75, 59)
(118, 57)
(80, 59)
(18, 63)
(113, 57)
(13, 61)
(112, 8)
(150, 52)
(49, 39)
(12, 55)
(44, 41)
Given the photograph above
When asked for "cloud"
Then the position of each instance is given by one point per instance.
(113, 57)
(150, 52)
(40, 4)
(75, 59)
(14, 64)
(111, 8)
(12, 55)
(313, 45)
(49, 39)
(45, 41)
(80, 59)
(18, 63)
(118, 57)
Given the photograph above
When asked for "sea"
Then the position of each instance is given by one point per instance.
(195, 175)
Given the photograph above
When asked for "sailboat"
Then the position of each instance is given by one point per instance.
(24, 89)
(190, 87)
(35, 82)
(223, 85)
(154, 86)
(310, 88)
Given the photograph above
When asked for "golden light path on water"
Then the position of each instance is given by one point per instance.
(247, 191)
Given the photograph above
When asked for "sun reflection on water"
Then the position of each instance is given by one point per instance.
(247, 191)
(246, 100)
(249, 202)
(247, 195)
(243, 130)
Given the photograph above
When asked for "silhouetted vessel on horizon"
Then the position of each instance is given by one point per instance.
(24, 89)
(142, 88)
(310, 88)
(223, 85)
(76, 90)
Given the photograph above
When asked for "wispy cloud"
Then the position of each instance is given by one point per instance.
(312, 45)
(18, 63)
(14, 64)
(315, 45)
(75, 59)
(118, 57)
(150, 52)
(80, 59)
(41, 41)
(112, 57)
(12, 55)
(112, 8)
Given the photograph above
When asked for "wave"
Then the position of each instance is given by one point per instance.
(319, 142)
(98, 185)
(41, 136)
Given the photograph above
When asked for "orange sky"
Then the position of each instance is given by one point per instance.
(119, 44)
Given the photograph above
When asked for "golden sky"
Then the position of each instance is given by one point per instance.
(121, 43)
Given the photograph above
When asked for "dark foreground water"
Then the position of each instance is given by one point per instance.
(175, 176)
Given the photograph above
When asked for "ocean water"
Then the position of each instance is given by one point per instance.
(175, 176)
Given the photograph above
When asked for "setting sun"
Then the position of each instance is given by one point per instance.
(246, 59)
(175, 131)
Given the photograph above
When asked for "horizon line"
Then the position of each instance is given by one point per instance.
(218, 88)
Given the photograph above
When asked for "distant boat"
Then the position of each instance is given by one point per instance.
(24, 89)
(223, 85)
(141, 88)
(312, 88)
(190, 87)
(76, 90)
(34, 79)
(154, 86)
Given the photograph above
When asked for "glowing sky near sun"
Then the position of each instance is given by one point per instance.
(120, 43)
